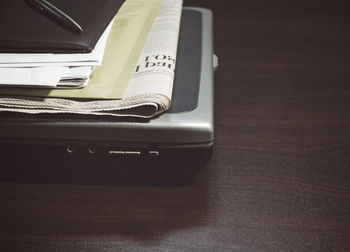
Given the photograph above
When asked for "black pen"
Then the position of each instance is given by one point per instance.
(49, 9)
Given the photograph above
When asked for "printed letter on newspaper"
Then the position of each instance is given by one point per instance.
(154, 72)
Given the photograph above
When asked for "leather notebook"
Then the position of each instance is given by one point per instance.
(26, 30)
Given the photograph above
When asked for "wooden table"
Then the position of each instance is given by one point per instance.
(279, 176)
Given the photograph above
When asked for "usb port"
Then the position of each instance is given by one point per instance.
(132, 153)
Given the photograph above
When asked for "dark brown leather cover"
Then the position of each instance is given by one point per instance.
(23, 29)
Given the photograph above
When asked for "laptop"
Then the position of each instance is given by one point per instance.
(168, 149)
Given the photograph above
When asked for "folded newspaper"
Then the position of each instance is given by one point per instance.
(149, 90)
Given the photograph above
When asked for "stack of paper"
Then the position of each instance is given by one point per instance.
(136, 75)
(51, 70)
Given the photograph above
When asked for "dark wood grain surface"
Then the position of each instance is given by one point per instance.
(279, 176)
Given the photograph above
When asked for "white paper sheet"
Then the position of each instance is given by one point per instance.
(44, 76)
(41, 76)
